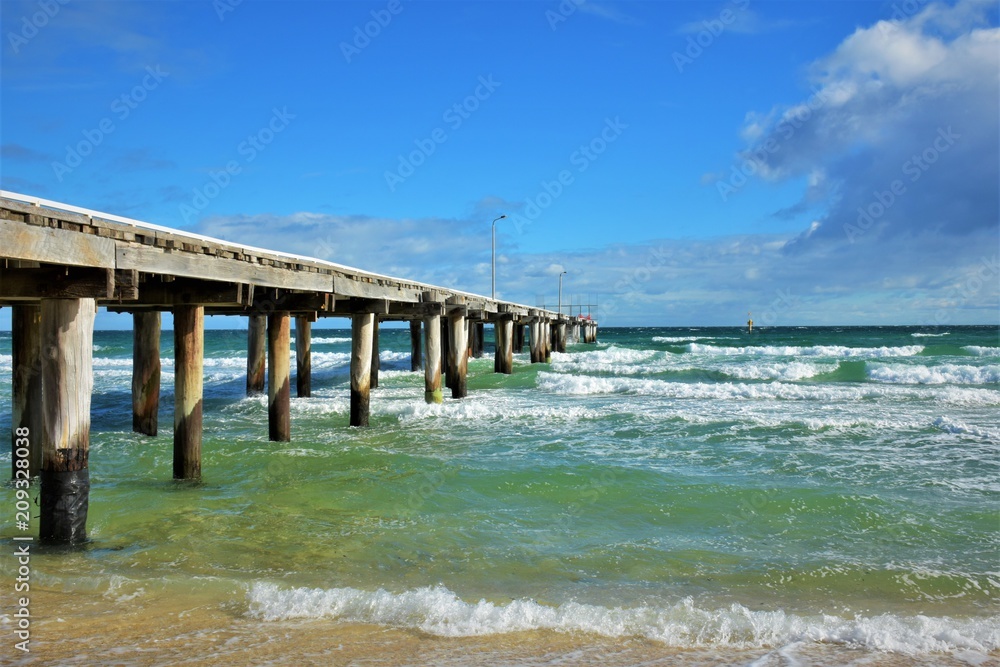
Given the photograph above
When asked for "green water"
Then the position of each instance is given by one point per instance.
(676, 474)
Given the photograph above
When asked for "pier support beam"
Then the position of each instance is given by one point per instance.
(560, 337)
(547, 340)
(414, 345)
(303, 357)
(503, 360)
(145, 371)
(478, 330)
(256, 353)
(26, 425)
(432, 363)
(376, 358)
(189, 361)
(362, 331)
(279, 399)
(519, 337)
(575, 331)
(67, 342)
(446, 368)
(535, 343)
(458, 359)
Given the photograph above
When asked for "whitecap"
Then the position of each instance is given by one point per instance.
(438, 611)
(943, 374)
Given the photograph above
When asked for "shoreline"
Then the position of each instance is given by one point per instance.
(167, 628)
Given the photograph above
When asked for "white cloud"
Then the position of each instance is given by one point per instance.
(897, 147)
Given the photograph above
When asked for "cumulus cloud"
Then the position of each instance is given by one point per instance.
(897, 143)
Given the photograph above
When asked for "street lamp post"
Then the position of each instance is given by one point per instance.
(560, 291)
(493, 272)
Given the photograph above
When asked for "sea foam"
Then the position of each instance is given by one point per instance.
(943, 374)
(834, 351)
(583, 385)
(439, 611)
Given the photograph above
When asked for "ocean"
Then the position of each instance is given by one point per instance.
(689, 496)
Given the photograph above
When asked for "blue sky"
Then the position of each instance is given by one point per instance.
(684, 162)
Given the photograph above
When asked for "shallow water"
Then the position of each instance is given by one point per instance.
(798, 496)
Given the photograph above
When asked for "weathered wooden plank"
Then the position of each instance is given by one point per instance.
(187, 291)
(414, 345)
(189, 360)
(56, 283)
(303, 357)
(361, 367)
(67, 384)
(27, 209)
(45, 244)
(279, 377)
(192, 265)
(432, 359)
(26, 346)
(358, 306)
(503, 356)
(376, 361)
(343, 286)
(126, 286)
(256, 353)
(458, 359)
(145, 372)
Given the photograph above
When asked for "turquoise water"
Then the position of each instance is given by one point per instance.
(696, 487)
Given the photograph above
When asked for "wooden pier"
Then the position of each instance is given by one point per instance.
(60, 263)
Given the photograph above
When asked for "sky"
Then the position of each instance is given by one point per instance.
(685, 163)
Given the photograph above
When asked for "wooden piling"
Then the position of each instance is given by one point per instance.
(67, 344)
(256, 353)
(189, 354)
(534, 342)
(376, 359)
(446, 369)
(414, 345)
(519, 337)
(503, 361)
(547, 341)
(479, 338)
(362, 326)
(458, 360)
(303, 356)
(27, 424)
(432, 364)
(560, 337)
(145, 371)
(279, 400)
